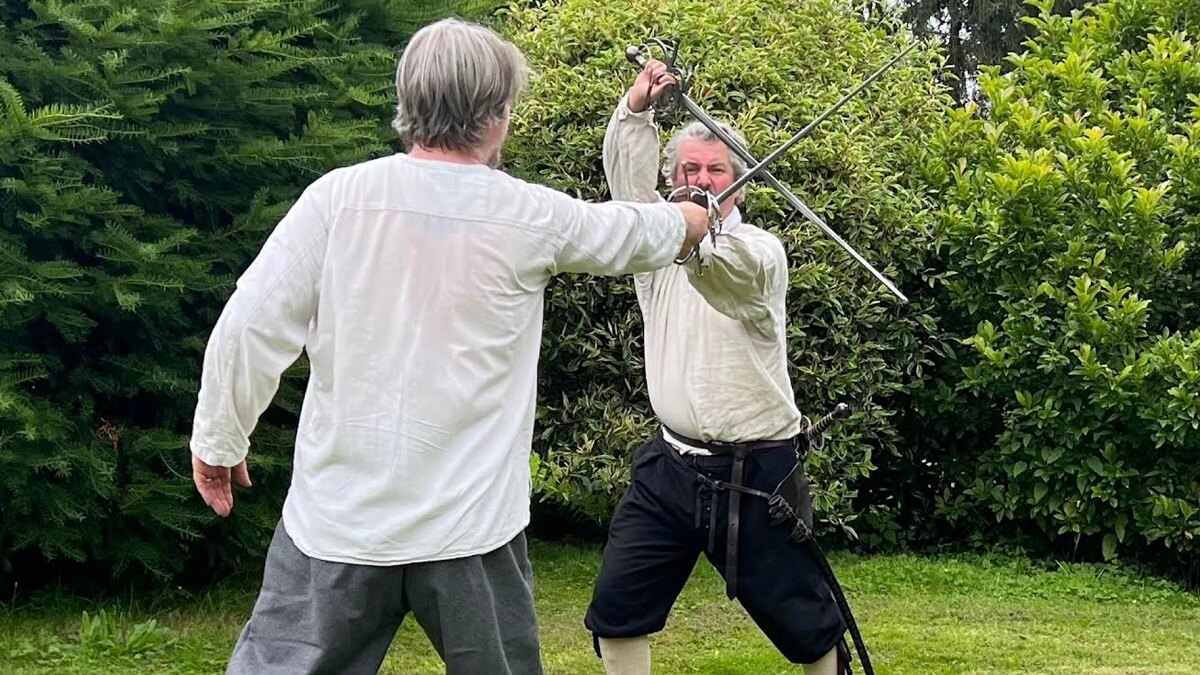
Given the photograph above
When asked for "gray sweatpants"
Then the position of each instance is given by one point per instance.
(316, 617)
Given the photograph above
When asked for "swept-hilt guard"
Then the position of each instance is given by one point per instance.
(691, 193)
(671, 101)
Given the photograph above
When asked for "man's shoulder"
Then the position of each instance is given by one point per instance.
(365, 166)
(353, 174)
(400, 167)
(529, 191)
(755, 230)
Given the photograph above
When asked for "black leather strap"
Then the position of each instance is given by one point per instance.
(731, 540)
(801, 533)
(739, 451)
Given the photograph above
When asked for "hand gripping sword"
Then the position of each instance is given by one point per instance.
(634, 55)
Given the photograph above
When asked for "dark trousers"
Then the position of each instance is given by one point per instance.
(315, 617)
(665, 520)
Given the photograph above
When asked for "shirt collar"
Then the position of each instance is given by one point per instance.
(733, 220)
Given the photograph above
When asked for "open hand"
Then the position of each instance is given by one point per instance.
(215, 484)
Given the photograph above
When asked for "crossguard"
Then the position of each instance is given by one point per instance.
(815, 433)
(671, 101)
(691, 193)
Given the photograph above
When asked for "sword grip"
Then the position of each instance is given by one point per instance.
(820, 426)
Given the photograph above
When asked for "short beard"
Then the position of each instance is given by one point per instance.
(494, 161)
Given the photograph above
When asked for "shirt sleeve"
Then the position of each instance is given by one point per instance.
(260, 332)
(615, 237)
(631, 155)
(740, 276)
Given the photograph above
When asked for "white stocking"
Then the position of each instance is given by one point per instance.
(827, 665)
(626, 656)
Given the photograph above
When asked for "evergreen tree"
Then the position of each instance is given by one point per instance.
(975, 32)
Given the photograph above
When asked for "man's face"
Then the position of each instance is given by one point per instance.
(708, 166)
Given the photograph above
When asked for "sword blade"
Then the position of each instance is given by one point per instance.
(791, 198)
(634, 55)
(757, 168)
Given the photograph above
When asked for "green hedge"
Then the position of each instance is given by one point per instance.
(1040, 387)
(1069, 410)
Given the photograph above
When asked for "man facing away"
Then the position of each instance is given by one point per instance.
(716, 371)
(414, 283)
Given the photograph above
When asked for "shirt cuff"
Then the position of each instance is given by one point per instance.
(624, 113)
(215, 455)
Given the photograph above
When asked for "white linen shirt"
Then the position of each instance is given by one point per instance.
(416, 289)
(715, 330)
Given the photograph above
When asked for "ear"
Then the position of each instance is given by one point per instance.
(500, 125)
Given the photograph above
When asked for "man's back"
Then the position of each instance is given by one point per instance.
(428, 321)
(415, 286)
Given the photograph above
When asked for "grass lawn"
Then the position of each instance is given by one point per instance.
(918, 615)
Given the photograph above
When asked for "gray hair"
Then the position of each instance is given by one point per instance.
(698, 131)
(452, 80)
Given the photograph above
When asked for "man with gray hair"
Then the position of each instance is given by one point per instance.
(716, 372)
(415, 285)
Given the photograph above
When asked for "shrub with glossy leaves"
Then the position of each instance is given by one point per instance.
(1071, 213)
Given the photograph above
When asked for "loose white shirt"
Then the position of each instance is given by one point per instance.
(416, 289)
(715, 328)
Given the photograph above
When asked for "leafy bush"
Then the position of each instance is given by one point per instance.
(146, 150)
(766, 66)
(1069, 409)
